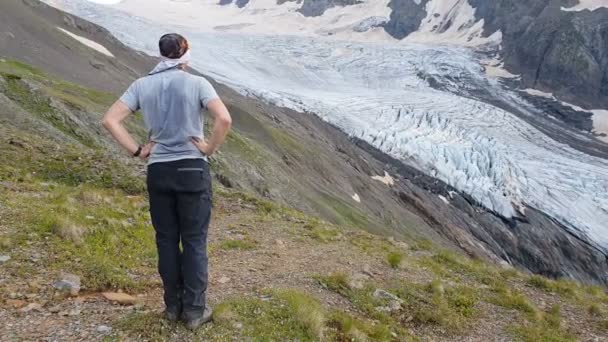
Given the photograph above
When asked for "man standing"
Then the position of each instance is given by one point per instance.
(179, 183)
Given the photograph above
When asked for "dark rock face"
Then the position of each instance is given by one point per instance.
(238, 3)
(554, 50)
(315, 8)
(564, 52)
(405, 17)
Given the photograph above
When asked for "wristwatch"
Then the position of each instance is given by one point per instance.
(138, 152)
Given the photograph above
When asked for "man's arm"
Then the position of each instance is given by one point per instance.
(221, 126)
(113, 120)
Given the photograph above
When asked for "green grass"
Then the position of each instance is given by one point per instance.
(513, 299)
(37, 103)
(101, 235)
(561, 287)
(243, 244)
(452, 308)
(345, 327)
(546, 329)
(394, 259)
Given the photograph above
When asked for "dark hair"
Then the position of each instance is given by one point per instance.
(173, 45)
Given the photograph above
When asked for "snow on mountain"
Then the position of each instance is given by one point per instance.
(591, 5)
(452, 22)
(380, 92)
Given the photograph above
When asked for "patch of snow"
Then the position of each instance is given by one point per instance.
(452, 22)
(357, 198)
(93, 45)
(386, 179)
(535, 92)
(445, 200)
(590, 5)
(495, 68)
(600, 123)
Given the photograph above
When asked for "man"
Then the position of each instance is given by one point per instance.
(179, 183)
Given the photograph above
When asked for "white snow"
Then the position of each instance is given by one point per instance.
(452, 22)
(536, 92)
(600, 122)
(262, 17)
(386, 179)
(495, 68)
(93, 45)
(377, 92)
(356, 198)
(442, 198)
(591, 5)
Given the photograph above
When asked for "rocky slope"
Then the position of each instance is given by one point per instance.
(291, 158)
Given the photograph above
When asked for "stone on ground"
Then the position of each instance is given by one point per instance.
(68, 283)
(120, 298)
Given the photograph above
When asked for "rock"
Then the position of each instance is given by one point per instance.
(4, 258)
(368, 271)
(381, 294)
(74, 312)
(63, 313)
(279, 243)
(31, 307)
(237, 325)
(120, 298)
(13, 295)
(55, 309)
(357, 281)
(16, 303)
(104, 329)
(69, 283)
(31, 295)
(223, 280)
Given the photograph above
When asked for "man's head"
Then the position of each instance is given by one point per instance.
(173, 45)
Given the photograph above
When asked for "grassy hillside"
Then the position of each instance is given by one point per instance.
(71, 202)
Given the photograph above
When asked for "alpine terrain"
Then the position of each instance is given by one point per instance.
(399, 170)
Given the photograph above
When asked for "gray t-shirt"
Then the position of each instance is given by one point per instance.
(172, 102)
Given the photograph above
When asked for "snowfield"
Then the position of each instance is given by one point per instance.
(379, 92)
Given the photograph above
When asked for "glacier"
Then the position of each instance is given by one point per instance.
(379, 92)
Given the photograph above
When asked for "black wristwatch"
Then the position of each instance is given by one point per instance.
(138, 152)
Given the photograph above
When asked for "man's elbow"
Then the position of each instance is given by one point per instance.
(108, 123)
(225, 120)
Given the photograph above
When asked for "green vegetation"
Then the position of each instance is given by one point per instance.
(433, 304)
(562, 287)
(102, 235)
(513, 299)
(243, 244)
(546, 328)
(394, 259)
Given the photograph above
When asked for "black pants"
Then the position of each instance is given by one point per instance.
(180, 207)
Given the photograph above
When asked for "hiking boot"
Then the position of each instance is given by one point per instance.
(172, 314)
(194, 323)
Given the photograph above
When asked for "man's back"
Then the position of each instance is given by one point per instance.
(171, 102)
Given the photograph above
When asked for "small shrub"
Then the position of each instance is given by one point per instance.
(337, 282)
(595, 310)
(349, 328)
(394, 259)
